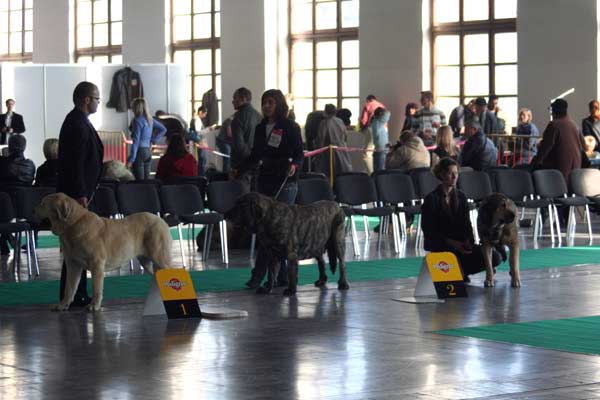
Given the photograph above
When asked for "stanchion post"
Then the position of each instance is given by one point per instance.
(331, 165)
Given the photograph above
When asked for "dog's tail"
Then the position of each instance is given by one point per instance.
(336, 247)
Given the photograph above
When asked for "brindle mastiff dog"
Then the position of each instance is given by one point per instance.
(497, 226)
(294, 233)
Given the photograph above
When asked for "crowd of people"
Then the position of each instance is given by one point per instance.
(264, 151)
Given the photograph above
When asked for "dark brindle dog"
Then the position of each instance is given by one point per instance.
(497, 226)
(294, 233)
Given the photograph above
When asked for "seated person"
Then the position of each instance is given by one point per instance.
(47, 173)
(479, 152)
(408, 153)
(590, 146)
(177, 161)
(445, 145)
(446, 223)
(15, 170)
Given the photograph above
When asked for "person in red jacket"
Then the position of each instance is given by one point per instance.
(177, 161)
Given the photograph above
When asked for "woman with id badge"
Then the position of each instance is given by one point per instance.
(278, 152)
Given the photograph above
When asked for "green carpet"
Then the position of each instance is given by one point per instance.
(135, 286)
(576, 335)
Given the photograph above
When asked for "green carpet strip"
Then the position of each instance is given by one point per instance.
(136, 286)
(575, 335)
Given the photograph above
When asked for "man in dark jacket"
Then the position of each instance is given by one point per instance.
(243, 125)
(11, 122)
(80, 154)
(15, 169)
(487, 119)
(478, 152)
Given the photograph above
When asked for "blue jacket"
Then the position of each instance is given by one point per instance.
(141, 135)
(479, 153)
(380, 132)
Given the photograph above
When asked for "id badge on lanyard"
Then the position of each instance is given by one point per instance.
(275, 138)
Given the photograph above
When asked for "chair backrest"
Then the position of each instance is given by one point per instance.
(138, 198)
(514, 183)
(549, 183)
(181, 199)
(199, 181)
(104, 202)
(7, 212)
(312, 175)
(387, 172)
(312, 190)
(395, 188)
(27, 198)
(354, 189)
(585, 182)
(222, 195)
(424, 181)
(475, 184)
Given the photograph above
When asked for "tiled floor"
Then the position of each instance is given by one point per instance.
(322, 344)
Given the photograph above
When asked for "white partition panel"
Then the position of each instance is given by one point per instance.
(60, 82)
(106, 119)
(154, 78)
(29, 95)
(177, 95)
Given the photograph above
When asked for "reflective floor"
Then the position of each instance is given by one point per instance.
(323, 344)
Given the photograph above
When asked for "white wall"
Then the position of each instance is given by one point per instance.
(242, 50)
(144, 39)
(390, 55)
(52, 39)
(557, 51)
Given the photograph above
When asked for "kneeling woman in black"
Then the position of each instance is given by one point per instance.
(446, 224)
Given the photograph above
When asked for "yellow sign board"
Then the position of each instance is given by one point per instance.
(443, 267)
(177, 292)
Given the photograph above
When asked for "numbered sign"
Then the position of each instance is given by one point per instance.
(446, 275)
(177, 293)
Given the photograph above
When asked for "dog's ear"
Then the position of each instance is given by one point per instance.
(509, 215)
(63, 210)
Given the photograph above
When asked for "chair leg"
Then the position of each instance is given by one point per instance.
(18, 249)
(180, 234)
(16, 258)
(537, 227)
(551, 222)
(557, 223)
(225, 247)
(381, 226)
(366, 225)
(206, 244)
(403, 229)
(252, 245)
(396, 232)
(354, 237)
(34, 256)
(589, 223)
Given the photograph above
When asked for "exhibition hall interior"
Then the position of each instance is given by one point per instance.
(299, 199)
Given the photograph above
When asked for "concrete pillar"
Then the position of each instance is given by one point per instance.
(391, 40)
(558, 50)
(52, 31)
(144, 35)
(242, 50)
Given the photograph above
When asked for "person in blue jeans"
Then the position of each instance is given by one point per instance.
(380, 137)
(278, 152)
(141, 127)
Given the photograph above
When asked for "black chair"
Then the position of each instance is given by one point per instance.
(397, 191)
(424, 181)
(26, 199)
(312, 190)
(104, 203)
(312, 175)
(110, 183)
(477, 186)
(9, 226)
(550, 184)
(387, 172)
(140, 197)
(358, 190)
(185, 204)
(517, 185)
(222, 196)
(199, 181)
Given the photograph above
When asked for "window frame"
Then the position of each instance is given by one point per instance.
(314, 36)
(98, 51)
(22, 56)
(491, 27)
(213, 44)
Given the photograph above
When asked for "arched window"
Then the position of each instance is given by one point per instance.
(16, 30)
(324, 55)
(98, 31)
(195, 41)
(474, 52)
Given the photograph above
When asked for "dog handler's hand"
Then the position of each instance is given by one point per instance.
(292, 170)
(83, 201)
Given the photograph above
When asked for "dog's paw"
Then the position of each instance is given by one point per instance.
(516, 283)
(263, 290)
(343, 286)
(93, 307)
(289, 292)
(59, 307)
(488, 283)
(320, 282)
